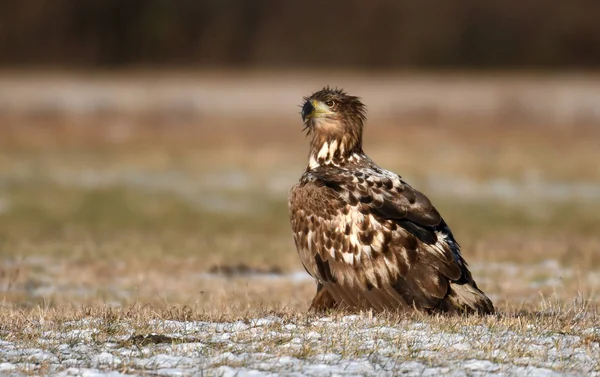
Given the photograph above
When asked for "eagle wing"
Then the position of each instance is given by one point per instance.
(374, 241)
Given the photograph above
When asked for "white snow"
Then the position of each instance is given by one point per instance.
(353, 345)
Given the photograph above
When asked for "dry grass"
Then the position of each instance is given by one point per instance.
(85, 218)
(125, 219)
(552, 337)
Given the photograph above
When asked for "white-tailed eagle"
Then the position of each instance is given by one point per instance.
(368, 238)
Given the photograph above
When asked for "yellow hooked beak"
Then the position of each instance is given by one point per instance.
(315, 109)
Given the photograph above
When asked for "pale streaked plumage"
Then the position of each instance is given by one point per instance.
(367, 237)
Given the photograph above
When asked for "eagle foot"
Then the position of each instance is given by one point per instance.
(323, 300)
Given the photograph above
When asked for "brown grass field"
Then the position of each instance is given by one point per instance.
(135, 217)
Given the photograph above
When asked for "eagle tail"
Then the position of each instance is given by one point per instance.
(467, 298)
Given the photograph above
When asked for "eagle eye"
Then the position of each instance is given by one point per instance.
(330, 103)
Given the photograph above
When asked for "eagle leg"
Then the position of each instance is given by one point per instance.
(323, 300)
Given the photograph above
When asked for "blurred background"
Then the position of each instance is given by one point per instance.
(147, 147)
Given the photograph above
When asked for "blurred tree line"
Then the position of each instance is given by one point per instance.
(304, 33)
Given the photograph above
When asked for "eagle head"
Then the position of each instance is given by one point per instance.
(332, 114)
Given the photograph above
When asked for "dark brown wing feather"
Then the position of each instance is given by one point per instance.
(372, 240)
(387, 196)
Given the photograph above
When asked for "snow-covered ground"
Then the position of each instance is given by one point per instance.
(351, 345)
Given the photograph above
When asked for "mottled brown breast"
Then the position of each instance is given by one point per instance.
(312, 207)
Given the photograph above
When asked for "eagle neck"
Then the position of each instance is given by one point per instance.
(332, 151)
